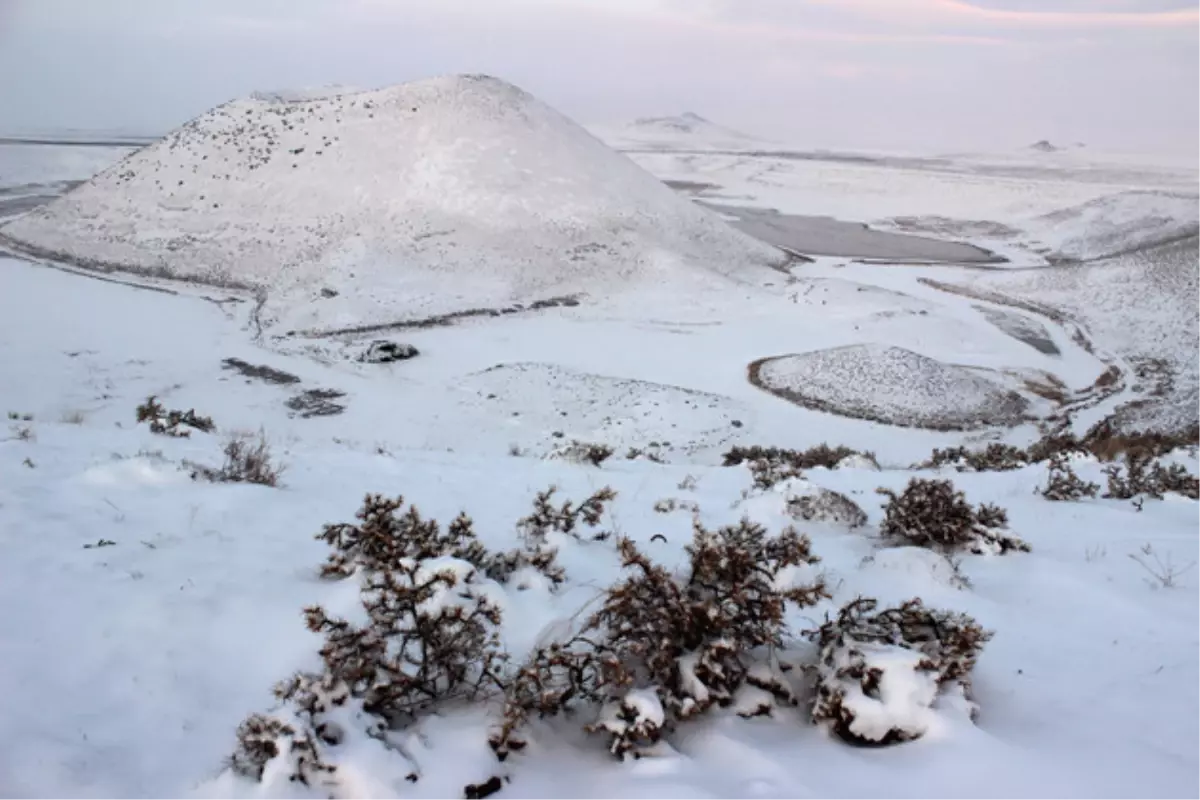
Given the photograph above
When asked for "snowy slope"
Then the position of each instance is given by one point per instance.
(1115, 224)
(416, 201)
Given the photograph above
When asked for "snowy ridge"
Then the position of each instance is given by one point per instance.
(419, 200)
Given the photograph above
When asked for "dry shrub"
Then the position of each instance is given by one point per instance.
(1108, 443)
(771, 465)
(261, 738)
(1140, 475)
(247, 460)
(996, 457)
(167, 423)
(387, 533)
(1063, 484)
(663, 648)
(933, 514)
(430, 634)
(431, 637)
(1058, 443)
(862, 694)
(668, 504)
(1103, 440)
(546, 517)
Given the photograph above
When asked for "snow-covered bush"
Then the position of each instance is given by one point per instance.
(879, 673)
(430, 634)
(430, 638)
(996, 457)
(387, 534)
(246, 461)
(384, 351)
(578, 452)
(262, 739)
(1063, 484)
(167, 423)
(826, 505)
(770, 465)
(663, 648)
(933, 514)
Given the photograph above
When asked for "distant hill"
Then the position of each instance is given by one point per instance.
(688, 130)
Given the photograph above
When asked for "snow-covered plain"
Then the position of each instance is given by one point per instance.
(132, 663)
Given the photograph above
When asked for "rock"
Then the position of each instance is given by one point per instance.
(382, 351)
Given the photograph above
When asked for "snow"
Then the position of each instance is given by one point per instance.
(363, 209)
(906, 693)
(136, 660)
(1116, 224)
(892, 385)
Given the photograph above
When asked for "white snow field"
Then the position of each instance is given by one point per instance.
(425, 199)
(148, 614)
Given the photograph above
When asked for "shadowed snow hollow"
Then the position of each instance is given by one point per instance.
(419, 200)
(890, 385)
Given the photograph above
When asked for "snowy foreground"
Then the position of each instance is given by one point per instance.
(149, 613)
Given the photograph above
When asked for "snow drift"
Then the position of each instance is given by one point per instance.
(370, 208)
(890, 385)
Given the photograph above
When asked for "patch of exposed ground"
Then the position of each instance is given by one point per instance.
(260, 372)
(316, 403)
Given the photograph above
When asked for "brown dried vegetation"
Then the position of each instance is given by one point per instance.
(691, 641)
(771, 465)
(246, 461)
(933, 514)
(167, 423)
(1063, 484)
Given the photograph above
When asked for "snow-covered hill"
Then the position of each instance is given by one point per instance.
(686, 131)
(420, 200)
